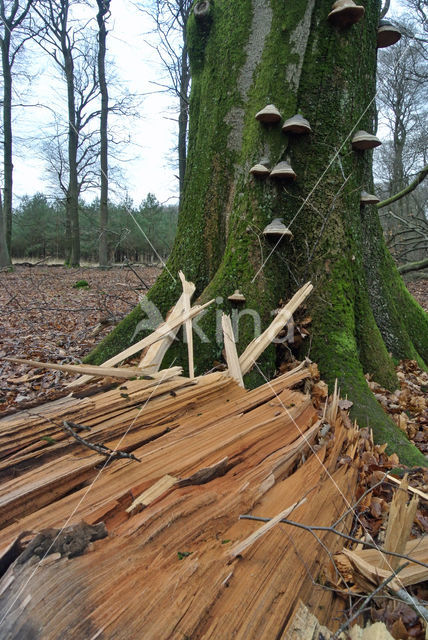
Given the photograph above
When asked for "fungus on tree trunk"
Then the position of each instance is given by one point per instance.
(202, 10)
(256, 53)
(387, 34)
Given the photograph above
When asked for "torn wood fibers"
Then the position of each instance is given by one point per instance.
(171, 559)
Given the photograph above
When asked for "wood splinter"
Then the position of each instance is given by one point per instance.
(248, 542)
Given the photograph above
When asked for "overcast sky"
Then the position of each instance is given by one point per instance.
(149, 167)
(151, 156)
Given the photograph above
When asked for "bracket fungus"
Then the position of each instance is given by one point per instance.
(363, 141)
(387, 34)
(269, 115)
(260, 169)
(277, 229)
(368, 198)
(236, 296)
(345, 12)
(283, 171)
(296, 124)
(202, 10)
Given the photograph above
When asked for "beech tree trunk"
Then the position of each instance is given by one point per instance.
(244, 55)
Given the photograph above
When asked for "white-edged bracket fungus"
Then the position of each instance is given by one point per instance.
(345, 12)
(368, 198)
(387, 34)
(283, 171)
(237, 296)
(269, 115)
(363, 141)
(202, 9)
(276, 229)
(260, 170)
(296, 124)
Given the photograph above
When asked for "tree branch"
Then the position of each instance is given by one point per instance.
(413, 266)
(312, 528)
(411, 187)
(385, 8)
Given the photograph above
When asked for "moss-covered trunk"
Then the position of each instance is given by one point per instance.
(244, 55)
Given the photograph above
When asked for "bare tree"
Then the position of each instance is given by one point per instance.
(66, 42)
(170, 18)
(402, 81)
(13, 14)
(102, 15)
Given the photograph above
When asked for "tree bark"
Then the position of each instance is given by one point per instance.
(183, 117)
(4, 252)
(103, 9)
(252, 53)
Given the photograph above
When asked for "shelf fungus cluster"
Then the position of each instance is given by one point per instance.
(297, 124)
(345, 13)
(281, 171)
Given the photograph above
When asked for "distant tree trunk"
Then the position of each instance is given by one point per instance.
(103, 6)
(4, 252)
(67, 246)
(15, 18)
(72, 202)
(7, 137)
(252, 53)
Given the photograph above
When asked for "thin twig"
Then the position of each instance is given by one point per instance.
(127, 264)
(99, 448)
(402, 595)
(311, 528)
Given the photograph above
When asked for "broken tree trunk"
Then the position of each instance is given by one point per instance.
(210, 451)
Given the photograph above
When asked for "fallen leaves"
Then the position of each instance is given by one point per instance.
(408, 405)
(44, 317)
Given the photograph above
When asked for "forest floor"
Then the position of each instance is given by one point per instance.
(419, 289)
(44, 316)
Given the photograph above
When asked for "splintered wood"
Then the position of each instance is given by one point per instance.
(94, 544)
(367, 568)
(210, 451)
